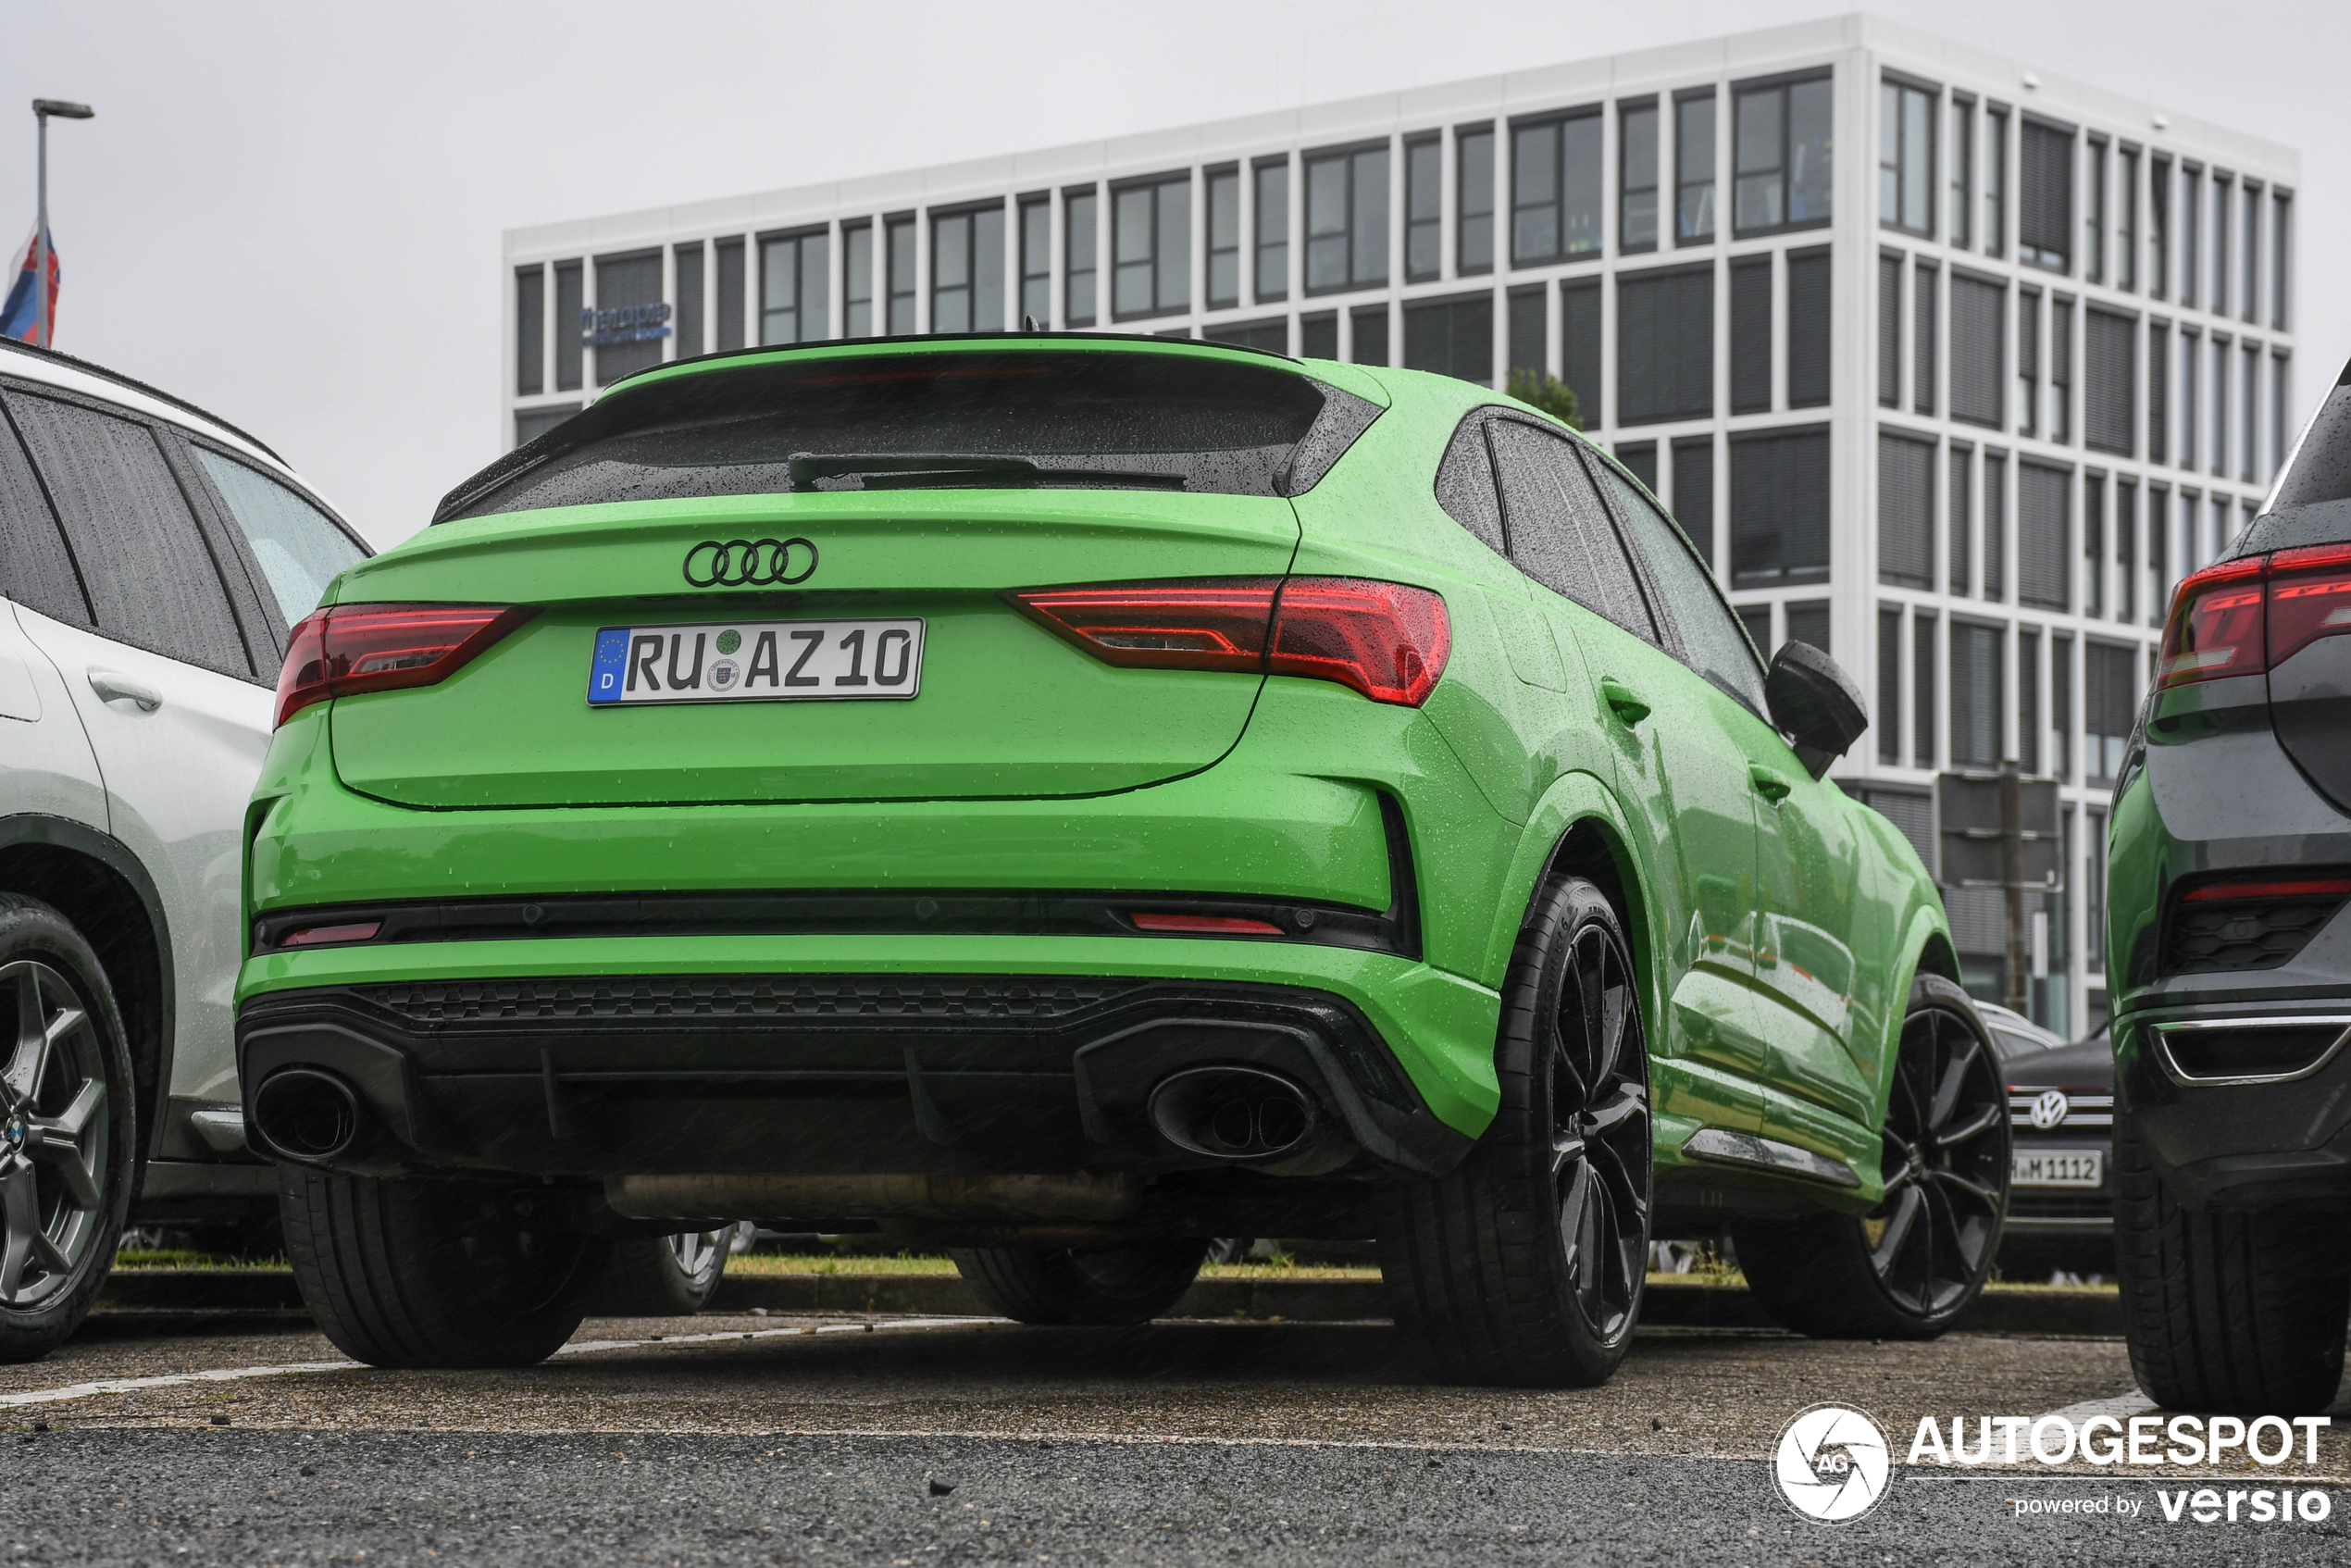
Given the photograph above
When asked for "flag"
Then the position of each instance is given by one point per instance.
(20, 317)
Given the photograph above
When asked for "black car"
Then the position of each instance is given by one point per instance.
(2062, 1118)
(2230, 951)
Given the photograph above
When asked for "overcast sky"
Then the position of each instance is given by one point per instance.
(291, 214)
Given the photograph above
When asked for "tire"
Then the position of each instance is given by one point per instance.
(2227, 1311)
(1526, 1266)
(419, 1273)
(1909, 1267)
(661, 1276)
(68, 1129)
(1059, 1285)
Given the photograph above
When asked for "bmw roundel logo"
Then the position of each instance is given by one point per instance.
(750, 563)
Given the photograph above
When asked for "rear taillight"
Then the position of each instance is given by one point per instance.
(2242, 618)
(1384, 640)
(347, 649)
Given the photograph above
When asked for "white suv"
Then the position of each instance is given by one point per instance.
(152, 559)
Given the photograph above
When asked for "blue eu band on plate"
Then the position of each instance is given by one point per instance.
(757, 662)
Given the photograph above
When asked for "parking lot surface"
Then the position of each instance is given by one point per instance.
(757, 1439)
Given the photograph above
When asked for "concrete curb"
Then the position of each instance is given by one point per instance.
(2025, 1310)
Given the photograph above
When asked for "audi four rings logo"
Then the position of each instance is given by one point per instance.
(748, 562)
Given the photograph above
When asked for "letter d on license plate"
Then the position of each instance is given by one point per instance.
(757, 662)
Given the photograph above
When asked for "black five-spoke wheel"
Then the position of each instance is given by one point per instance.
(1946, 1149)
(1600, 1131)
(54, 1135)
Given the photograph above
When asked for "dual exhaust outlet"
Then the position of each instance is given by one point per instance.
(1235, 1113)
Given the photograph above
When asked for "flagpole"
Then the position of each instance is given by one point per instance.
(42, 109)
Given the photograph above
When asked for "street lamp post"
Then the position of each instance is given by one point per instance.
(42, 109)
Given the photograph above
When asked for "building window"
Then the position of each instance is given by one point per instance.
(2093, 898)
(1889, 328)
(1423, 207)
(2281, 257)
(1636, 175)
(2281, 399)
(1580, 346)
(2220, 520)
(1272, 228)
(1078, 243)
(1224, 237)
(1272, 335)
(1963, 171)
(733, 285)
(1453, 336)
(2045, 206)
(2223, 193)
(2251, 252)
(1527, 331)
(1979, 689)
(1036, 261)
(2191, 355)
(1694, 493)
(1555, 188)
(1995, 179)
(1474, 197)
(2126, 217)
(1995, 525)
(1756, 620)
(1960, 525)
(630, 319)
(2219, 404)
(1751, 334)
(2191, 235)
(1640, 458)
(1809, 305)
(1780, 507)
(1906, 158)
(1367, 331)
(2248, 420)
(1318, 335)
(2060, 370)
(1347, 219)
(2191, 514)
(1978, 336)
(1694, 168)
(1905, 510)
(2111, 675)
(2159, 226)
(2110, 387)
(2158, 392)
(2028, 700)
(1923, 684)
(2159, 552)
(570, 300)
(686, 264)
(2028, 362)
(794, 281)
(1925, 310)
(898, 241)
(857, 278)
(1665, 345)
(1782, 137)
(2126, 550)
(2061, 708)
(1151, 248)
(1808, 622)
(2093, 213)
(967, 270)
(1889, 685)
(530, 331)
(2094, 544)
(2044, 535)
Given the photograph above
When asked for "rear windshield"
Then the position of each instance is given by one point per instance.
(1027, 418)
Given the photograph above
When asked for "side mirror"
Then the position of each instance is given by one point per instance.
(1815, 705)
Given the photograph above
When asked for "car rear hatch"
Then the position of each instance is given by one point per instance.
(683, 545)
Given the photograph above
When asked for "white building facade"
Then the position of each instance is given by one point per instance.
(1953, 368)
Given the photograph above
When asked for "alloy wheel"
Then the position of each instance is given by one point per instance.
(1931, 1239)
(701, 1254)
(1600, 1175)
(54, 1137)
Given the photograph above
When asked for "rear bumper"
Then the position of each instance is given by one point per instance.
(815, 1073)
(2282, 1142)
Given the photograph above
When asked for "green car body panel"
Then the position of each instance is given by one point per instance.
(1776, 923)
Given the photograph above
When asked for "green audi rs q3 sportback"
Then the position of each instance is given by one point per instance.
(1061, 799)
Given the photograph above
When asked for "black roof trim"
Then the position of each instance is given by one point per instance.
(119, 379)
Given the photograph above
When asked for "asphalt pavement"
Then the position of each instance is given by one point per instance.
(901, 1441)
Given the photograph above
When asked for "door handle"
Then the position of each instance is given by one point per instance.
(112, 687)
(1769, 783)
(1628, 708)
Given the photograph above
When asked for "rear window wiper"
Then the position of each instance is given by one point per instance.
(961, 471)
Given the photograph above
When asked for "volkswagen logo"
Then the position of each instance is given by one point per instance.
(2050, 1109)
(750, 563)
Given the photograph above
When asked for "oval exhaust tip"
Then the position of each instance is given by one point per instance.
(305, 1114)
(1232, 1113)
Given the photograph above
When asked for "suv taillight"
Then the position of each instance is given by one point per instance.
(2242, 618)
(347, 649)
(1384, 640)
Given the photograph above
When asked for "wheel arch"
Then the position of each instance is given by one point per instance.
(94, 881)
(1579, 829)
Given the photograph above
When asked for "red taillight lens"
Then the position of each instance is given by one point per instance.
(347, 649)
(2290, 888)
(1384, 640)
(326, 936)
(1203, 924)
(2310, 598)
(2216, 625)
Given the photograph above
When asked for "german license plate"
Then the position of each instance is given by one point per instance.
(757, 662)
(2059, 1167)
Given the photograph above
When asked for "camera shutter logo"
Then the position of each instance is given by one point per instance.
(1832, 1463)
(750, 563)
(2049, 1110)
